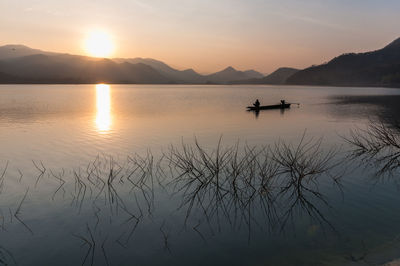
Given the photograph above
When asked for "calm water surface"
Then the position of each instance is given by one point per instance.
(59, 141)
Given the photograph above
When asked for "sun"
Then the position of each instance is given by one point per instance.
(99, 44)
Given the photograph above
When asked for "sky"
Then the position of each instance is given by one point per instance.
(207, 35)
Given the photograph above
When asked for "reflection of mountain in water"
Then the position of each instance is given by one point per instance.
(378, 143)
(385, 107)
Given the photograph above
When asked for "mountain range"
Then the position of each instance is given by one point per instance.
(376, 68)
(21, 64)
(278, 77)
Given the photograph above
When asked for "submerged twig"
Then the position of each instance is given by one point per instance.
(17, 212)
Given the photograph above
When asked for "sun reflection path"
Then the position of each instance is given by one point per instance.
(103, 103)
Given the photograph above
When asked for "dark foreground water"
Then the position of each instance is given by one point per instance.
(184, 175)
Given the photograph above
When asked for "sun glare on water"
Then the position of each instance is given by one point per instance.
(99, 44)
(103, 103)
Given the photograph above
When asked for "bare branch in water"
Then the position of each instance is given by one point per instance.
(299, 169)
(165, 236)
(91, 243)
(233, 182)
(2, 176)
(379, 145)
(6, 257)
(17, 212)
(238, 186)
(41, 170)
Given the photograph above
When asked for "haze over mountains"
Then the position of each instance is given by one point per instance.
(21, 64)
(278, 77)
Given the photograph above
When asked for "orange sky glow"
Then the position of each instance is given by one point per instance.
(205, 35)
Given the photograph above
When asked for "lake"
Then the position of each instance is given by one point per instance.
(184, 175)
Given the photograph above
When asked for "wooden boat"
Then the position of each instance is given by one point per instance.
(268, 107)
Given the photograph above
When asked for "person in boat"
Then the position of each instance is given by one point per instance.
(283, 102)
(257, 104)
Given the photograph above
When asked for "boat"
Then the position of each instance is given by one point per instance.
(268, 107)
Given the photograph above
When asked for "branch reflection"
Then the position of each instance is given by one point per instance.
(264, 186)
(378, 144)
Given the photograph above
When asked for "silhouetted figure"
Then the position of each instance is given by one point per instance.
(283, 102)
(257, 104)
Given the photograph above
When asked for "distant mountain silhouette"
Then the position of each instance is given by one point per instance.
(230, 74)
(179, 76)
(21, 64)
(277, 77)
(17, 50)
(6, 78)
(190, 76)
(377, 68)
(253, 74)
(40, 68)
